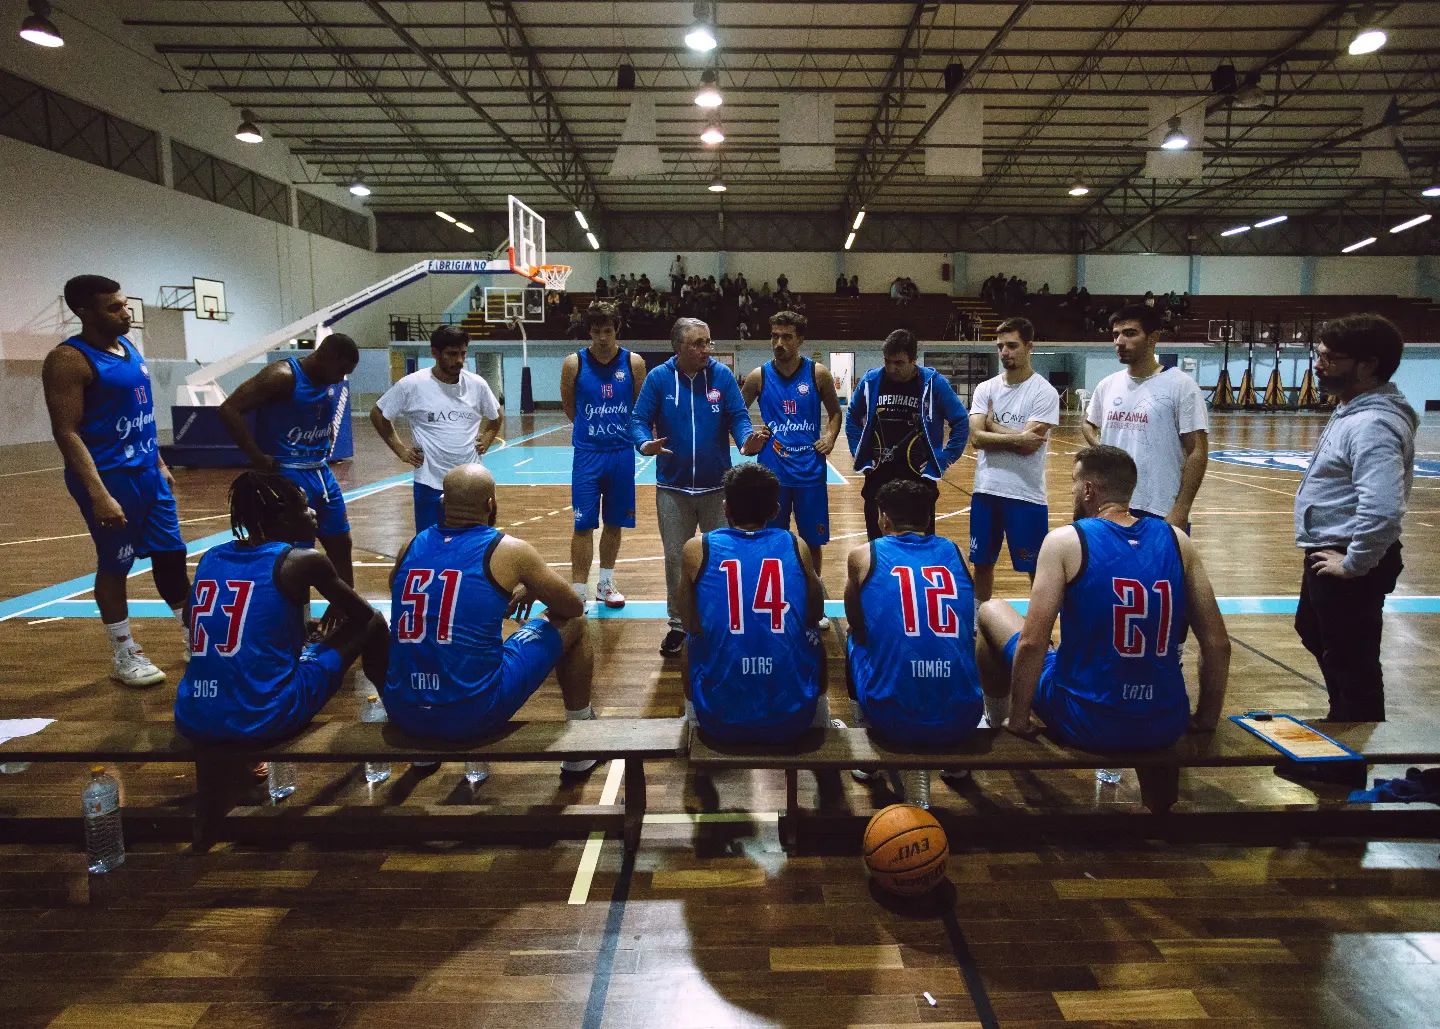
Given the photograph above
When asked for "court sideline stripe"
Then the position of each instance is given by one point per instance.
(590, 857)
(1276, 662)
(609, 944)
(974, 982)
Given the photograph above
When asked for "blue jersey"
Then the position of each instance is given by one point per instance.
(297, 432)
(117, 424)
(245, 643)
(446, 612)
(791, 408)
(916, 667)
(754, 667)
(1123, 618)
(604, 396)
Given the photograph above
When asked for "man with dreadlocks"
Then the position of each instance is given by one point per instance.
(251, 675)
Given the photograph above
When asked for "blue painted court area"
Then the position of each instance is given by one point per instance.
(1296, 461)
(550, 466)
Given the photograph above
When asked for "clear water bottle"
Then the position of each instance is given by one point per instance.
(280, 780)
(13, 767)
(917, 788)
(476, 772)
(100, 804)
(1109, 776)
(374, 711)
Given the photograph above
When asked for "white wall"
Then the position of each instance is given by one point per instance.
(1253, 276)
(1133, 274)
(1342, 275)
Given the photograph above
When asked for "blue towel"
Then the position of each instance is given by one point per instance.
(1418, 785)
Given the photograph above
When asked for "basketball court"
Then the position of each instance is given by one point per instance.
(713, 922)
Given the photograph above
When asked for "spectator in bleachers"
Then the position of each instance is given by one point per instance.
(854, 285)
(765, 288)
(602, 288)
(840, 286)
(677, 273)
(1044, 290)
(782, 284)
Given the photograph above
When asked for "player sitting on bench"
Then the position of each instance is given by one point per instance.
(451, 677)
(251, 675)
(750, 601)
(1126, 589)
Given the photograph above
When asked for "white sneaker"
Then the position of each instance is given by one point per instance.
(133, 668)
(577, 766)
(855, 773)
(607, 594)
(823, 624)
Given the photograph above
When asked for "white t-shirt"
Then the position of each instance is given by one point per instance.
(1144, 418)
(1008, 473)
(444, 419)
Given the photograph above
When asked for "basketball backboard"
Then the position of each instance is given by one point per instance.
(506, 304)
(527, 238)
(210, 300)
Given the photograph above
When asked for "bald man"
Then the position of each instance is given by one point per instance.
(451, 676)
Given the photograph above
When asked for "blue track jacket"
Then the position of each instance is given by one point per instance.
(694, 414)
(938, 405)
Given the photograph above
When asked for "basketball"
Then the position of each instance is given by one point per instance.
(905, 849)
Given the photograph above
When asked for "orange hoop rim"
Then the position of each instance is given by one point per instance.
(554, 276)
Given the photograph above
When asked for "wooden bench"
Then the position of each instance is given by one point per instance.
(837, 750)
(633, 740)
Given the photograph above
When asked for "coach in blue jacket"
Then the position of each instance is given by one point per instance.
(896, 424)
(685, 410)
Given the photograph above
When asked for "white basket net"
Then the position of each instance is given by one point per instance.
(554, 275)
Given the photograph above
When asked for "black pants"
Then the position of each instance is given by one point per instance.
(873, 481)
(1339, 621)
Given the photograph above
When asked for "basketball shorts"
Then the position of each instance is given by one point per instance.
(1021, 523)
(529, 654)
(603, 477)
(811, 508)
(1077, 722)
(427, 506)
(152, 523)
(920, 723)
(326, 500)
(318, 674)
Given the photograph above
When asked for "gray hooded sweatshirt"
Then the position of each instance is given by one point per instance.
(1354, 493)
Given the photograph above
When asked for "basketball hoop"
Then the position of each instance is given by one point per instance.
(553, 275)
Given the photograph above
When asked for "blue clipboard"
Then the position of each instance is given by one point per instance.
(1274, 730)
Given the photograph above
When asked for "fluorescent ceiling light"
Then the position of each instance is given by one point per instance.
(246, 131)
(580, 217)
(447, 217)
(1272, 221)
(358, 188)
(37, 27)
(850, 240)
(717, 185)
(1078, 190)
(1430, 191)
(859, 217)
(1236, 230)
(1175, 139)
(1356, 246)
(712, 135)
(1421, 220)
(1367, 41)
(594, 243)
(462, 226)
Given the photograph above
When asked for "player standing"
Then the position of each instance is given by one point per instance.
(298, 403)
(102, 414)
(444, 405)
(598, 387)
(792, 390)
(1011, 417)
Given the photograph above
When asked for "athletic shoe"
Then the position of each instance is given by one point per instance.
(133, 668)
(608, 595)
(855, 773)
(673, 642)
(823, 624)
(577, 766)
(956, 776)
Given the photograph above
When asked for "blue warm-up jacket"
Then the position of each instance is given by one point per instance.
(938, 405)
(695, 414)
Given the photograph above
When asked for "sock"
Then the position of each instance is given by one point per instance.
(582, 590)
(120, 638)
(179, 613)
(584, 714)
(997, 709)
(607, 577)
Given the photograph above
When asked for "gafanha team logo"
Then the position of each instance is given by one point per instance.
(620, 375)
(713, 396)
(803, 389)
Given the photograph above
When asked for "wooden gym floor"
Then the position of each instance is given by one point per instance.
(713, 926)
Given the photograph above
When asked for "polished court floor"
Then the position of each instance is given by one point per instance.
(714, 925)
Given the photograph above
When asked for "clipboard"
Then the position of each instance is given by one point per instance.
(1293, 738)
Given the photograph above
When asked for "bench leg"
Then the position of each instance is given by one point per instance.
(634, 803)
(1159, 787)
(789, 826)
(211, 804)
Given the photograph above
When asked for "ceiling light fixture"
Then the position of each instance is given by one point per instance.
(463, 227)
(37, 27)
(448, 217)
(594, 243)
(1369, 39)
(708, 96)
(712, 135)
(1272, 221)
(1078, 190)
(1236, 230)
(358, 187)
(859, 217)
(1175, 138)
(717, 185)
(246, 131)
(850, 240)
(1356, 246)
(1430, 191)
(701, 37)
(1420, 220)
(580, 217)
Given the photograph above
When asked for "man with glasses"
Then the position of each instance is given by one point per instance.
(1348, 512)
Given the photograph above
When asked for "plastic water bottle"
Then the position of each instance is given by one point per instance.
(917, 788)
(1109, 776)
(280, 781)
(374, 711)
(476, 772)
(100, 804)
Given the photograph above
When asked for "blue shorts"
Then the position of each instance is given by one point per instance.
(607, 474)
(912, 724)
(326, 500)
(152, 524)
(529, 654)
(811, 507)
(1022, 523)
(1079, 723)
(318, 674)
(427, 506)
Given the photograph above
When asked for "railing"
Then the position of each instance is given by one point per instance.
(416, 328)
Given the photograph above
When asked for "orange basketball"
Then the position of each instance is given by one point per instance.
(905, 849)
